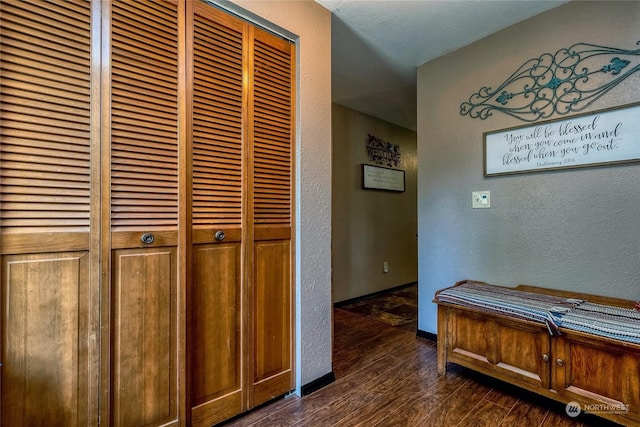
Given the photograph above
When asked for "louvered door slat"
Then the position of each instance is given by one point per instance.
(64, 62)
(56, 20)
(144, 194)
(49, 187)
(272, 133)
(156, 11)
(217, 328)
(129, 173)
(48, 299)
(133, 74)
(40, 111)
(144, 113)
(45, 114)
(70, 12)
(217, 131)
(272, 138)
(53, 42)
(222, 76)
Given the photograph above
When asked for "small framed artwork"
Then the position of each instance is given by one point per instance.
(379, 178)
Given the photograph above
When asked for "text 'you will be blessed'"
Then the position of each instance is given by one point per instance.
(563, 144)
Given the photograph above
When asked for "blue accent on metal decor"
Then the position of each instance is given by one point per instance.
(504, 97)
(616, 65)
(568, 81)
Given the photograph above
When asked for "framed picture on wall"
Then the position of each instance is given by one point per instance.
(605, 137)
(379, 178)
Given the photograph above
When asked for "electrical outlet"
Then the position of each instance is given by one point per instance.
(385, 266)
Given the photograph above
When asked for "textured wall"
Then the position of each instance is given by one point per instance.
(370, 227)
(571, 229)
(312, 23)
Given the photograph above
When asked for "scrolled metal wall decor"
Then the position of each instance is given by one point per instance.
(568, 81)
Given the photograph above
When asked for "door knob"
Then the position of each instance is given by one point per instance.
(545, 357)
(147, 238)
(559, 362)
(219, 235)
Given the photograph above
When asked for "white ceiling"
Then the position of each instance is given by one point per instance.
(377, 45)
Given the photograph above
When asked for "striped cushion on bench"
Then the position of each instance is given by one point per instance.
(553, 311)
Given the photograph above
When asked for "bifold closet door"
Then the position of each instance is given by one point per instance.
(142, 181)
(271, 183)
(146, 164)
(240, 295)
(217, 302)
(49, 302)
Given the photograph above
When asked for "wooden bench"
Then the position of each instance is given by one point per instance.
(599, 373)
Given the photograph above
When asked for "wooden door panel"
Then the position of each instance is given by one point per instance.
(272, 130)
(470, 337)
(241, 146)
(580, 375)
(512, 351)
(521, 352)
(47, 147)
(271, 183)
(144, 116)
(45, 111)
(218, 101)
(45, 339)
(272, 321)
(144, 343)
(216, 298)
(217, 391)
(142, 181)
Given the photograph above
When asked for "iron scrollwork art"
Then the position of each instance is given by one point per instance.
(381, 152)
(565, 82)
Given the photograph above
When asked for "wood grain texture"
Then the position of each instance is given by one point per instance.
(144, 348)
(272, 328)
(272, 130)
(218, 120)
(129, 117)
(395, 383)
(584, 375)
(579, 367)
(217, 296)
(217, 360)
(46, 116)
(45, 339)
(144, 115)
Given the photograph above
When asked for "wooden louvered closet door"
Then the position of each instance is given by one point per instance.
(240, 298)
(146, 213)
(217, 301)
(49, 263)
(143, 228)
(271, 184)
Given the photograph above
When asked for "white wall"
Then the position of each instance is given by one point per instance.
(570, 229)
(312, 24)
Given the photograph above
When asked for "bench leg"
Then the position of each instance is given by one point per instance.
(442, 340)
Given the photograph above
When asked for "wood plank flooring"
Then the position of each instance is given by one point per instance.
(386, 376)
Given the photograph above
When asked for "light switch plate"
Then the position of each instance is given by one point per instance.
(480, 199)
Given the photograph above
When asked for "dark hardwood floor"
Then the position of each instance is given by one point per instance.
(386, 376)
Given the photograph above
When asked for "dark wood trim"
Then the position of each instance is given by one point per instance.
(372, 295)
(317, 384)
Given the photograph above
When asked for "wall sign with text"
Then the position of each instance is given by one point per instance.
(377, 178)
(605, 137)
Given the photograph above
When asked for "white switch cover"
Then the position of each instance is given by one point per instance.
(480, 199)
